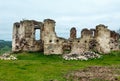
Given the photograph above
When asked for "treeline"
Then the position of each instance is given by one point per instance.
(5, 46)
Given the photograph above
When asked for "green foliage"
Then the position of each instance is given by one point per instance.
(5, 43)
(5, 46)
(39, 67)
(5, 49)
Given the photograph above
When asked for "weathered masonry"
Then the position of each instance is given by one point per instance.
(100, 39)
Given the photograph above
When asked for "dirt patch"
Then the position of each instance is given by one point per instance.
(95, 73)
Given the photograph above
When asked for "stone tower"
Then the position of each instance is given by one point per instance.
(102, 36)
(52, 44)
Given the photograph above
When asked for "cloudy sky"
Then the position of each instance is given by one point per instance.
(67, 13)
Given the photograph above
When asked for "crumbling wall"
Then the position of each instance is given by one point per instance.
(78, 47)
(81, 45)
(86, 37)
(114, 41)
(52, 43)
(15, 37)
(24, 36)
(102, 37)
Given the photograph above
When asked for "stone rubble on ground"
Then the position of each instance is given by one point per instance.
(7, 56)
(83, 56)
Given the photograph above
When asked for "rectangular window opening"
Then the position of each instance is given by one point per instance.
(37, 34)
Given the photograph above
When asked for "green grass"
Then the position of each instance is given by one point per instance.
(39, 67)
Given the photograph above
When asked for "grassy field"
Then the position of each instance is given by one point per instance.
(38, 67)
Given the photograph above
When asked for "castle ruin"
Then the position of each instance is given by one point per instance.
(100, 39)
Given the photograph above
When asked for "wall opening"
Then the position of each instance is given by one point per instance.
(37, 34)
(57, 40)
(66, 49)
(50, 41)
(93, 33)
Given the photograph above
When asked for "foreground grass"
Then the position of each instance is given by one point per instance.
(38, 67)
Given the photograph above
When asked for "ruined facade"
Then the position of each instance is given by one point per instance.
(24, 36)
(100, 39)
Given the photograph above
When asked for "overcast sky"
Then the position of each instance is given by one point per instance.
(67, 13)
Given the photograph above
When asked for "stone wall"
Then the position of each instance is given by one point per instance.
(114, 41)
(73, 33)
(100, 39)
(52, 43)
(24, 36)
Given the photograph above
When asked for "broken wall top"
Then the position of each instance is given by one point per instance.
(49, 21)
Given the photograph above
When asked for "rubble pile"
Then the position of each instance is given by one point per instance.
(83, 56)
(7, 56)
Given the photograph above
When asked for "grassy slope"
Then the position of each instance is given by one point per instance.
(37, 67)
